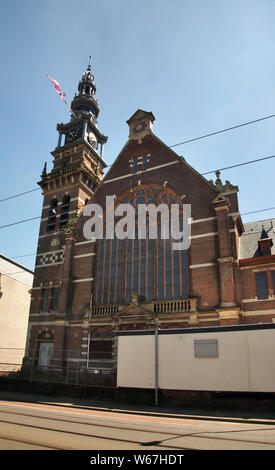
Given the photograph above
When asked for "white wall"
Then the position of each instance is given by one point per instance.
(15, 285)
(136, 366)
(245, 361)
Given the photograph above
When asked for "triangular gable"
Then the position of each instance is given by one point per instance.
(133, 310)
(170, 154)
(120, 175)
(220, 199)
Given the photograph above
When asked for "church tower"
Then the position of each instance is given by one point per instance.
(78, 159)
(77, 170)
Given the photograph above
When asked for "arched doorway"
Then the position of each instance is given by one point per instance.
(101, 348)
(45, 351)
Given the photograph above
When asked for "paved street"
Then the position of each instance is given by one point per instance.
(26, 425)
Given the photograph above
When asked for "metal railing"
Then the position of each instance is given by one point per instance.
(66, 367)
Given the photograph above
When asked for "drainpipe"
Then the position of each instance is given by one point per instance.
(156, 365)
(89, 334)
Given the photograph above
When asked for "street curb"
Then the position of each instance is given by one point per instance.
(165, 414)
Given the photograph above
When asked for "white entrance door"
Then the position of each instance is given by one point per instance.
(45, 356)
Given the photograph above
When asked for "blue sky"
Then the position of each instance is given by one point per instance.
(198, 65)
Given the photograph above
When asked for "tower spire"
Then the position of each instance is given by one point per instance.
(84, 102)
(85, 110)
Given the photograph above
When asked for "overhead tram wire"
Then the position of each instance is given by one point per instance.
(20, 222)
(242, 214)
(22, 256)
(259, 210)
(20, 194)
(224, 130)
(209, 172)
(239, 164)
(203, 174)
(171, 146)
(39, 217)
(186, 142)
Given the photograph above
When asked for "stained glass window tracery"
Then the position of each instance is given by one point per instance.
(148, 267)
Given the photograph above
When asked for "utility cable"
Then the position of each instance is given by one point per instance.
(259, 210)
(224, 130)
(22, 256)
(203, 174)
(33, 254)
(182, 143)
(20, 194)
(20, 222)
(239, 164)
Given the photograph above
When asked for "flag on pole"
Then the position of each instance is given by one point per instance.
(57, 87)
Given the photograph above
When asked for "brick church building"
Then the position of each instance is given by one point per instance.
(86, 290)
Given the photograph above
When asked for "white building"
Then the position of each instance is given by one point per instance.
(15, 295)
(233, 358)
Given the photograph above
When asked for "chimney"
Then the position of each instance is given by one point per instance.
(265, 243)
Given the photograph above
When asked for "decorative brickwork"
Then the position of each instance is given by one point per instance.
(111, 285)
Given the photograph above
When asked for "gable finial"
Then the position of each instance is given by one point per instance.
(218, 180)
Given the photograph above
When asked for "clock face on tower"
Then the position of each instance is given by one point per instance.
(141, 126)
(73, 135)
(92, 139)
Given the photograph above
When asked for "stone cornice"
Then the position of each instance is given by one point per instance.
(71, 168)
(258, 260)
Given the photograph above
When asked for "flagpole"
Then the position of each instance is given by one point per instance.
(69, 108)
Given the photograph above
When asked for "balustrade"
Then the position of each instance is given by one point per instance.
(162, 306)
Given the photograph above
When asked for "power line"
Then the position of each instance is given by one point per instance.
(20, 194)
(34, 218)
(242, 213)
(239, 164)
(22, 256)
(224, 130)
(182, 143)
(203, 174)
(20, 222)
(259, 210)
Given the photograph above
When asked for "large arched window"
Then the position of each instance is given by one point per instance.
(147, 267)
(52, 216)
(64, 217)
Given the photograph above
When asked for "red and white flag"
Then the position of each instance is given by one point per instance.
(57, 87)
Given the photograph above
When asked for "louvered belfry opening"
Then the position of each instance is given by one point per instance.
(64, 216)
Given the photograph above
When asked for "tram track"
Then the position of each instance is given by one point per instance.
(14, 444)
(82, 434)
(49, 427)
